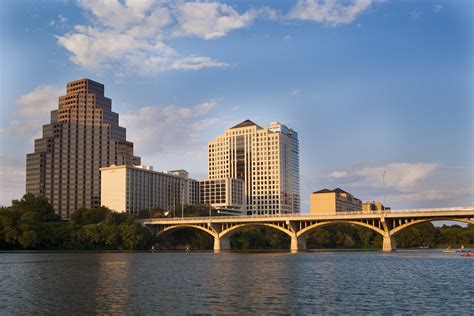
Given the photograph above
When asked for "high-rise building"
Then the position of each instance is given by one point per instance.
(266, 159)
(134, 188)
(83, 136)
(225, 195)
(330, 202)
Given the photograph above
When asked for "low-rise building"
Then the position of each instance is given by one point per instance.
(373, 207)
(134, 188)
(226, 195)
(330, 202)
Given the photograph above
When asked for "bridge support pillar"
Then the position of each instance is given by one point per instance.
(389, 243)
(151, 228)
(221, 243)
(297, 244)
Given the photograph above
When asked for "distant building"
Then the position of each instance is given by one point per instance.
(373, 207)
(330, 202)
(226, 194)
(265, 159)
(134, 188)
(83, 136)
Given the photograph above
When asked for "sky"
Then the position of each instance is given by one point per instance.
(369, 85)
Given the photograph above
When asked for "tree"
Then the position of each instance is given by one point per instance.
(86, 216)
(33, 204)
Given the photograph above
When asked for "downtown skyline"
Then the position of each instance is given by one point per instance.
(377, 86)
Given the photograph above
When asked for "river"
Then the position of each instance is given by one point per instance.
(404, 282)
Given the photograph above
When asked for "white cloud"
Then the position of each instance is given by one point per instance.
(407, 185)
(62, 18)
(33, 110)
(338, 174)
(402, 176)
(210, 20)
(431, 195)
(437, 8)
(330, 12)
(158, 129)
(134, 36)
(415, 14)
(40, 101)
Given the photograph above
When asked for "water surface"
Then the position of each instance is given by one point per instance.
(405, 282)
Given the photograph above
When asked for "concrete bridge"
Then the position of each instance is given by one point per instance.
(298, 227)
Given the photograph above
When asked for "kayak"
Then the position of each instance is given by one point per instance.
(467, 255)
(449, 250)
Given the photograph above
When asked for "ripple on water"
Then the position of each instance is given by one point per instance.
(423, 282)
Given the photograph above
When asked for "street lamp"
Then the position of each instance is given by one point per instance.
(182, 203)
(384, 191)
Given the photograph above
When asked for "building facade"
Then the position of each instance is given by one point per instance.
(373, 207)
(265, 159)
(83, 136)
(226, 194)
(134, 188)
(330, 202)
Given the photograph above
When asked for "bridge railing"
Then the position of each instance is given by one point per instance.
(276, 216)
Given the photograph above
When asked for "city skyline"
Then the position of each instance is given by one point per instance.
(370, 86)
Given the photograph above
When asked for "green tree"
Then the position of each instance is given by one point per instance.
(86, 216)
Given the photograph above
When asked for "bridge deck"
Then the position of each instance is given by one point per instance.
(401, 214)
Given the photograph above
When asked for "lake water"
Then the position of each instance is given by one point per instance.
(404, 282)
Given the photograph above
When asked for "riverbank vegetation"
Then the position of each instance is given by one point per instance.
(30, 223)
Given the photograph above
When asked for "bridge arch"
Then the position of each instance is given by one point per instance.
(232, 230)
(303, 233)
(182, 226)
(395, 231)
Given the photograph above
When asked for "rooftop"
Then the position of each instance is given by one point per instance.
(246, 123)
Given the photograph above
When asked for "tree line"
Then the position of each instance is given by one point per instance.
(30, 223)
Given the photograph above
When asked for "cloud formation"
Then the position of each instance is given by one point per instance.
(33, 111)
(329, 11)
(399, 176)
(210, 20)
(437, 8)
(163, 128)
(422, 183)
(131, 36)
(137, 36)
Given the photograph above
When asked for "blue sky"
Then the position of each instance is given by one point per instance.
(369, 85)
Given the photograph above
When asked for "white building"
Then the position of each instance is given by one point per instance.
(265, 159)
(134, 188)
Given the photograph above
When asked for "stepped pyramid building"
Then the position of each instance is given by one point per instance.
(83, 136)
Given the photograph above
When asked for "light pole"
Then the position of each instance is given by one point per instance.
(182, 203)
(384, 191)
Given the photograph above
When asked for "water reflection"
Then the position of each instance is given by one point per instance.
(180, 283)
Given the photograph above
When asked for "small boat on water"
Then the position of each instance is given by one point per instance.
(468, 254)
(449, 250)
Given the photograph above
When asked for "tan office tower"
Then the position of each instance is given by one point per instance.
(266, 159)
(83, 136)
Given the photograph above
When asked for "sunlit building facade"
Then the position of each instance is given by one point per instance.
(83, 136)
(331, 202)
(265, 159)
(134, 188)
